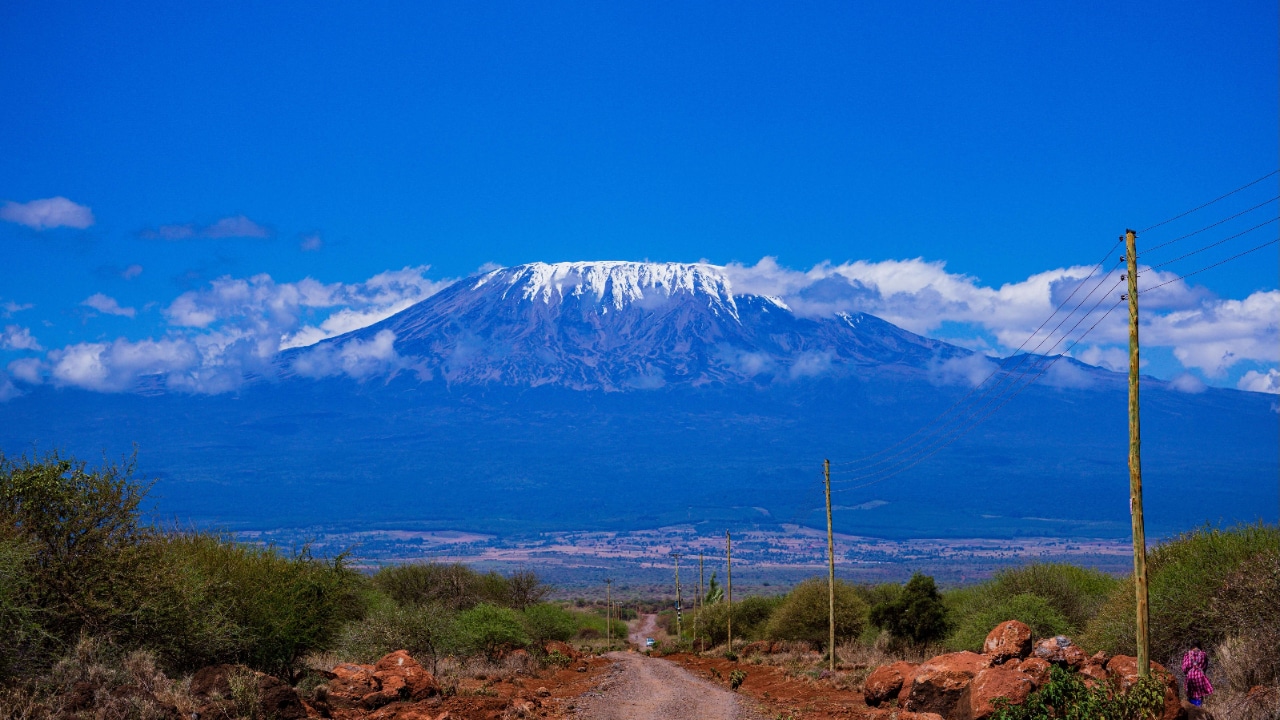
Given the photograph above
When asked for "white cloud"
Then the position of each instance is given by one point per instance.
(234, 328)
(235, 226)
(8, 390)
(968, 370)
(108, 306)
(311, 243)
(15, 337)
(811, 364)
(47, 213)
(10, 307)
(131, 272)
(1203, 331)
(1187, 383)
(1111, 358)
(28, 370)
(355, 357)
(1254, 381)
(119, 365)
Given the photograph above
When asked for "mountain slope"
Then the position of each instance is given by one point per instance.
(624, 325)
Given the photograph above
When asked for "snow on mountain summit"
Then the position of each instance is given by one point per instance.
(617, 325)
(614, 283)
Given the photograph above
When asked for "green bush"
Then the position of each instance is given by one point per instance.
(21, 636)
(592, 624)
(917, 615)
(489, 628)
(425, 632)
(1183, 576)
(750, 619)
(458, 587)
(1075, 592)
(545, 621)
(1067, 697)
(984, 612)
(804, 613)
(80, 529)
(220, 601)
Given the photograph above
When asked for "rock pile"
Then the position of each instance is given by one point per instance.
(964, 685)
(397, 676)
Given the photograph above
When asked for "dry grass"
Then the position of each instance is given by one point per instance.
(96, 681)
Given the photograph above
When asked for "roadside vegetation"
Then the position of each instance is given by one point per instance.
(91, 595)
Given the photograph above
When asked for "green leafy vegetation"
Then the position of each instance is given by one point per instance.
(804, 613)
(917, 615)
(1184, 576)
(1067, 697)
(1051, 598)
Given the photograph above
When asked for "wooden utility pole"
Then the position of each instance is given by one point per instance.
(679, 610)
(728, 580)
(831, 570)
(1135, 463)
(697, 620)
(608, 612)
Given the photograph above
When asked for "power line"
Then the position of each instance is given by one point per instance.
(999, 368)
(964, 430)
(911, 461)
(1209, 227)
(969, 428)
(1210, 267)
(1008, 373)
(1215, 244)
(1201, 207)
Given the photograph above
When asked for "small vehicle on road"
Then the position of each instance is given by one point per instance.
(648, 642)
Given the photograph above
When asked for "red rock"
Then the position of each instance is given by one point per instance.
(212, 682)
(1008, 641)
(1124, 669)
(759, 647)
(939, 683)
(886, 682)
(1093, 672)
(1037, 669)
(1060, 651)
(350, 685)
(554, 646)
(1001, 681)
(398, 672)
(277, 699)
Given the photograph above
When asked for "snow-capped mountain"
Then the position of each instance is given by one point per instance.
(618, 325)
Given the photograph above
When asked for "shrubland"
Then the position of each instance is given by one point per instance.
(89, 589)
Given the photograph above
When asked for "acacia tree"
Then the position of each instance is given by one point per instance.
(917, 615)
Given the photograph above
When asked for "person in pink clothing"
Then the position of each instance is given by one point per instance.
(1194, 665)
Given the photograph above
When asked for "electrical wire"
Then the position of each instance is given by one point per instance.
(1210, 267)
(1201, 207)
(963, 429)
(998, 369)
(1207, 227)
(1215, 244)
(1009, 373)
(968, 429)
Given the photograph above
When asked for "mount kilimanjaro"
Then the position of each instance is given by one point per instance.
(618, 326)
(633, 395)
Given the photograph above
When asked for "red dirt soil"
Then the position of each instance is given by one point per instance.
(775, 692)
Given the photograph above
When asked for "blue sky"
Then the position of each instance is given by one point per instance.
(194, 142)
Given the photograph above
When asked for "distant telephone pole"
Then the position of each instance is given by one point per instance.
(697, 619)
(1135, 463)
(728, 577)
(608, 612)
(679, 612)
(831, 570)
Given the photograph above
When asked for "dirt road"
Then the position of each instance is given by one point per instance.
(645, 627)
(643, 688)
